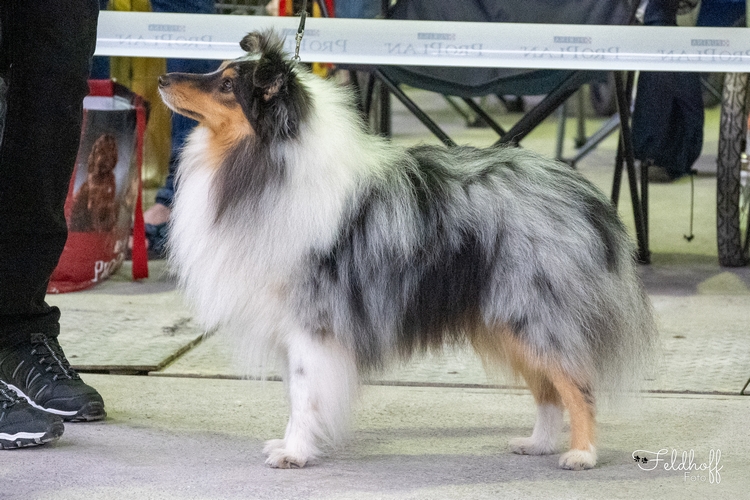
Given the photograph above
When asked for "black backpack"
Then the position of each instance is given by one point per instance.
(668, 115)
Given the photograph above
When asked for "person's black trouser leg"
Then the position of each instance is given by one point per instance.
(44, 58)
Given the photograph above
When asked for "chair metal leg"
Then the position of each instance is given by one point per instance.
(413, 108)
(541, 111)
(612, 124)
(562, 112)
(581, 119)
(484, 116)
(617, 181)
(369, 91)
(354, 82)
(468, 118)
(625, 153)
(382, 125)
(384, 117)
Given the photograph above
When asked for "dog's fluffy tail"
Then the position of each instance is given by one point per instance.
(640, 339)
(623, 357)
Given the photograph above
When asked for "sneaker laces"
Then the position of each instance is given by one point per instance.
(8, 396)
(49, 353)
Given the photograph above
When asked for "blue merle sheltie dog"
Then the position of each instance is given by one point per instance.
(299, 234)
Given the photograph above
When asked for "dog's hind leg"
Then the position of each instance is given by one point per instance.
(553, 390)
(321, 381)
(579, 400)
(549, 417)
(502, 347)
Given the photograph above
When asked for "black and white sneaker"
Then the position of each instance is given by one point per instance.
(22, 425)
(40, 373)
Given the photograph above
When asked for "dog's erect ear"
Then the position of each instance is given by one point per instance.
(262, 42)
(278, 102)
(252, 43)
(273, 69)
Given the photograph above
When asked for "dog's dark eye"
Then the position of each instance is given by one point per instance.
(226, 85)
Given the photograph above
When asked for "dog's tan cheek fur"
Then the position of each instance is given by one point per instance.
(226, 120)
(229, 126)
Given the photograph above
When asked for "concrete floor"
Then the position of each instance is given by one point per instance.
(181, 424)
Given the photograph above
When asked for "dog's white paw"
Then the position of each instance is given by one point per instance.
(273, 444)
(531, 446)
(279, 457)
(578, 459)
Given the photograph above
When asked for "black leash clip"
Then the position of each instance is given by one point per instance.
(300, 30)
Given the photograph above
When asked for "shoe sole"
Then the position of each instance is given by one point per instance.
(90, 412)
(26, 439)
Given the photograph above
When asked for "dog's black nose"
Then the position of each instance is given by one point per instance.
(163, 81)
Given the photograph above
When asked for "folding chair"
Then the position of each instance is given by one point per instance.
(556, 85)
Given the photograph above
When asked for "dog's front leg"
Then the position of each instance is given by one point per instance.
(321, 380)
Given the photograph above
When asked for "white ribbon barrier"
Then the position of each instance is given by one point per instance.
(433, 43)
